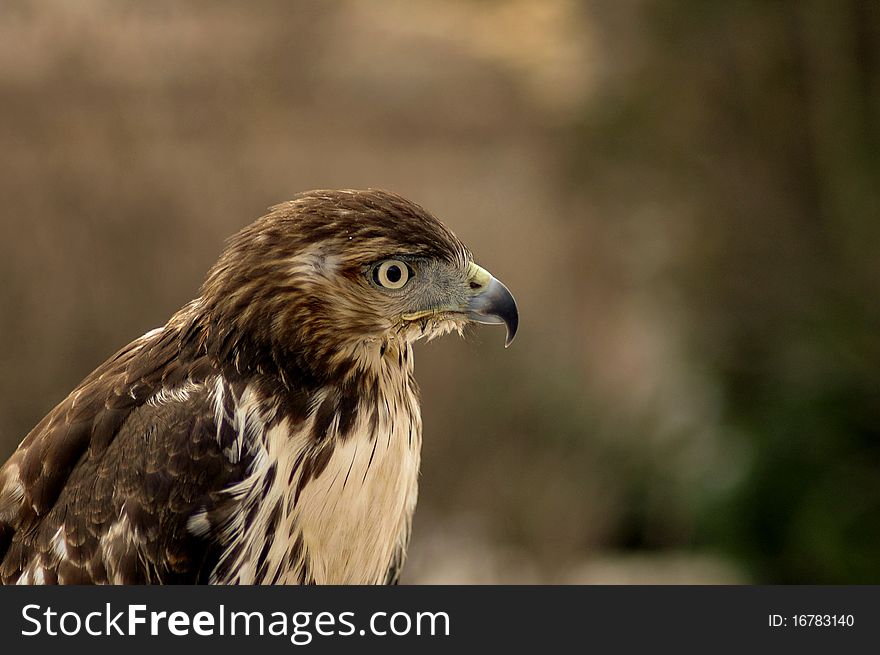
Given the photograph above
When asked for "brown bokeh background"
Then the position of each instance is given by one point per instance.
(683, 197)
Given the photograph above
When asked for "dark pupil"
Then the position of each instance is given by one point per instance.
(393, 273)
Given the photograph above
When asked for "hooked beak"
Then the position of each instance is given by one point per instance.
(491, 302)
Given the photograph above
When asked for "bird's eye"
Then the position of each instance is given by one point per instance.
(392, 274)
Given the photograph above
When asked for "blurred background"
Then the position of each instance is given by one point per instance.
(683, 196)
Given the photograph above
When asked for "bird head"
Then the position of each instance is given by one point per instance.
(332, 273)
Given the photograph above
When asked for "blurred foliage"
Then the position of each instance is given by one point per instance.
(683, 197)
(766, 118)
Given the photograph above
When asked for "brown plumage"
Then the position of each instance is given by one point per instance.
(270, 431)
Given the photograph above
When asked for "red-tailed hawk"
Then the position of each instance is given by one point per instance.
(270, 431)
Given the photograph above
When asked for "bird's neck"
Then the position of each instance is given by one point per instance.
(377, 357)
(300, 373)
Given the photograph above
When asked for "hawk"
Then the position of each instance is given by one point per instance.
(270, 432)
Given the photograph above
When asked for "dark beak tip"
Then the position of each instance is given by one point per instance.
(510, 315)
(511, 324)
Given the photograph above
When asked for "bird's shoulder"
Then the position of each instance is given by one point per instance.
(100, 484)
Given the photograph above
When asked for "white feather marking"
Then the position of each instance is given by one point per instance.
(198, 524)
(116, 543)
(312, 261)
(76, 396)
(248, 421)
(26, 578)
(59, 544)
(174, 395)
(217, 400)
(150, 334)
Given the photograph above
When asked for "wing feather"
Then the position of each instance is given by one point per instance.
(101, 490)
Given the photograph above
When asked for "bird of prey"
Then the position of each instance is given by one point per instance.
(270, 432)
